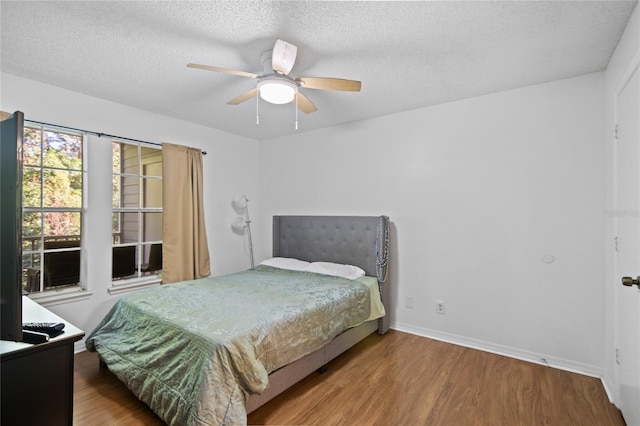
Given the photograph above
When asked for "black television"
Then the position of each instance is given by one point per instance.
(11, 132)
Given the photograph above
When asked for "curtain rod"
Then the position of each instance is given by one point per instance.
(99, 134)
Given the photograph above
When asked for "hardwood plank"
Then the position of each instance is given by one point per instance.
(397, 378)
(101, 399)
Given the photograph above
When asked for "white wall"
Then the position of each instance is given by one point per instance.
(478, 192)
(230, 168)
(627, 50)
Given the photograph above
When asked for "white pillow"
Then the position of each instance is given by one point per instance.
(286, 263)
(349, 272)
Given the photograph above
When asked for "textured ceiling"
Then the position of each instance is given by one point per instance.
(407, 54)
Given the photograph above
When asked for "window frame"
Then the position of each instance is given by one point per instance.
(64, 291)
(142, 245)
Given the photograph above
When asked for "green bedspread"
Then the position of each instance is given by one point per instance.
(194, 351)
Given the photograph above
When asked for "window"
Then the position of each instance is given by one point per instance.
(137, 211)
(52, 200)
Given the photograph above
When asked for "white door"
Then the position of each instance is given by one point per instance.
(628, 256)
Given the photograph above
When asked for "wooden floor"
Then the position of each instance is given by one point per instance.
(395, 379)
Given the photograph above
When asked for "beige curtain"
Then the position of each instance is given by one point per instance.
(185, 254)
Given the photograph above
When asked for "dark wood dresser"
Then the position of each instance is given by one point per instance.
(37, 380)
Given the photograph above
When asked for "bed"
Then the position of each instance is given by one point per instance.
(212, 350)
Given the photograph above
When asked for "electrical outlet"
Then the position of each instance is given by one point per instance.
(408, 302)
(440, 307)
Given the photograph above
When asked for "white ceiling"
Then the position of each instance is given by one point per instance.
(407, 54)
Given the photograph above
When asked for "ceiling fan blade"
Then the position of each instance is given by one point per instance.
(323, 83)
(224, 70)
(304, 104)
(244, 97)
(283, 56)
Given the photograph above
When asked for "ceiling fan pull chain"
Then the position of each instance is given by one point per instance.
(296, 111)
(257, 103)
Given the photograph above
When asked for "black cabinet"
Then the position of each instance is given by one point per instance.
(37, 380)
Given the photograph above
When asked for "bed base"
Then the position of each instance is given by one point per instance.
(285, 377)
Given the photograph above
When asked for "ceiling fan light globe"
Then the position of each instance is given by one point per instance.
(277, 92)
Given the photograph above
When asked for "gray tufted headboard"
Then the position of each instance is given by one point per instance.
(354, 240)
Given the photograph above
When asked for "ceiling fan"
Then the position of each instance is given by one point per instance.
(276, 86)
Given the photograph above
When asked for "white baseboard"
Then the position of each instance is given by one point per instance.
(79, 346)
(524, 355)
(609, 386)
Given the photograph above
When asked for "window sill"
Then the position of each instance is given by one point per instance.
(53, 297)
(134, 284)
